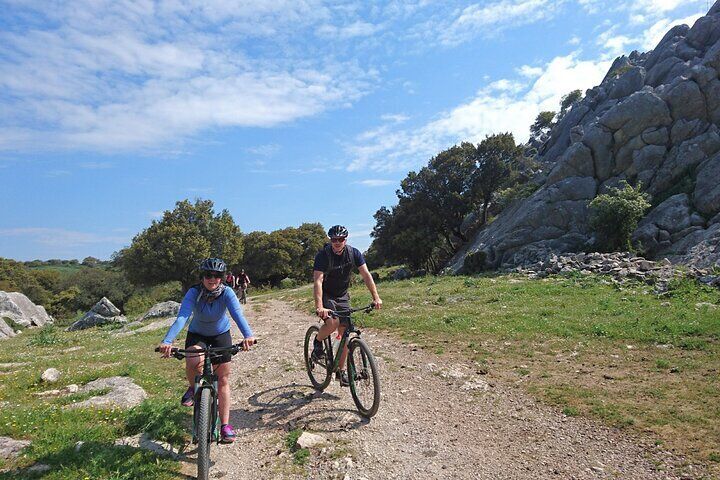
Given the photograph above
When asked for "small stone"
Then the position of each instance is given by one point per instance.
(79, 445)
(308, 440)
(39, 468)
(50, 375)
(72, 388)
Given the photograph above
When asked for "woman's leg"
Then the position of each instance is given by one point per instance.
(223, 372)
(193, 365)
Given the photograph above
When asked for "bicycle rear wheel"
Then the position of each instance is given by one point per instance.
(364, 378)
(318, 371)
(204, 435)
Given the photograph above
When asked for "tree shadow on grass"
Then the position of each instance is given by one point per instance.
(100, 460)
(288, 406)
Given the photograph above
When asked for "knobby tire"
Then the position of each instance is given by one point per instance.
(319, 376)
(362, 370)
(204, 435)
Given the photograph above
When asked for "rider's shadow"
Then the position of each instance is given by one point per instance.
(279, 407)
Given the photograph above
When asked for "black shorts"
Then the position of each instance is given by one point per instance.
(338, 304)
(222, 340)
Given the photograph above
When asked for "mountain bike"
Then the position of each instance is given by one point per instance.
(242, 294)
(363, 373)
(206, 423)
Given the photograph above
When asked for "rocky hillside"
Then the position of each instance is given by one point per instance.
(654, 119)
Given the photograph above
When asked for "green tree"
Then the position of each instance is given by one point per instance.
(94, 283)
(543, 124)
(91, 261)
(614, 216)
(172, 248)
(568, 101)
(15, 277)
(497, 161)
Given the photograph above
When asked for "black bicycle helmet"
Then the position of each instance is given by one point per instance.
(337, 231)
(212, 265)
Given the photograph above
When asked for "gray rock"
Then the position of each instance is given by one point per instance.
(124, 393)
(164, 309)
(143, 440)
(10, 448)
(630, 82)
(705, 31)
(18, 308)
(51, 375)
(637, 113)
(401, 274)
(101, 313)
(39, 468)
(655, 136)
(309, 440)
(576, 162)
(600, 141)
(706, 196)
(685, 129)
(686, 101)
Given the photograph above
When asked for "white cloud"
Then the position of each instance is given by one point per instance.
(388, 149)
(574, 40)
(267, 150)
(375, 182)
(61, 237)
(396, 118)
(113, 76)
(487, 19)
(355, 29)
(530, 72)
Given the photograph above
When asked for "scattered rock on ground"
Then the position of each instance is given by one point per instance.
(124, 393)
(309, 440)
(101, 313)
(9, 447)
(142, 440)
(51, 375)
(18, 308)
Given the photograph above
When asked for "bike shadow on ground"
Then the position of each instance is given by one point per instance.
(280, 407)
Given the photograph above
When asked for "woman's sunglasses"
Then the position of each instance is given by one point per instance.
(213, 275)
(337, 239)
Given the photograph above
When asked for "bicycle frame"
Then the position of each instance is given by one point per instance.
(349, 329)
(208, 379)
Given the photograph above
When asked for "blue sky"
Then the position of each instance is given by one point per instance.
(282, 112)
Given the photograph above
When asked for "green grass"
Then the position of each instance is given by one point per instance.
(620, 354)
(54, 429)
(300, 455)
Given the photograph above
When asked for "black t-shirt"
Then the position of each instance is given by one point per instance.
(337, 269)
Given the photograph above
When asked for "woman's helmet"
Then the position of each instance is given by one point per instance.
(212, 265)
(337, 231)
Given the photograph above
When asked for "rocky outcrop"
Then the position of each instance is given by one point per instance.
(10, 448)
(101, 313)
(17, 308)
(161, 310)
(124, 393)
(654, 120)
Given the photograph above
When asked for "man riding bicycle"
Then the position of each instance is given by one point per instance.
(332, 272)
(207, 303)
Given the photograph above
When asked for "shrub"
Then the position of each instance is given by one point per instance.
(475, 262)
(288, 283)
(141, 301)
(615, 215)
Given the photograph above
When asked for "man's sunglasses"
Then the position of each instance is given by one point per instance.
(213, 275)
(338, 239)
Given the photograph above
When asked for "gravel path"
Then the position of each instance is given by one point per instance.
(435, 420)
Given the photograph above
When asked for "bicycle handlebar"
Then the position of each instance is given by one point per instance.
(181, 353)
(346, 313)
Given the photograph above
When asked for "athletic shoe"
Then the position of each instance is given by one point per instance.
(188, 399)
(227, 433)
(343, 377)
(318, 352)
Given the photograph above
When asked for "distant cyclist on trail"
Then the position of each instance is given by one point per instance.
(207, 303)
(243, 281)
(333, 268)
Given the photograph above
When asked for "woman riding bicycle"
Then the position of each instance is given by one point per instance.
(207, 303)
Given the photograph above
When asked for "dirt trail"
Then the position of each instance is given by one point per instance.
(435, 421)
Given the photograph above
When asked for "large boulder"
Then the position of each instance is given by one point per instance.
(103, 312)
(161, 310)
(124, 393)
(654, 120)
(16, 307)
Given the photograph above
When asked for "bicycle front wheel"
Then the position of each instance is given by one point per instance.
(364, 378)
(318, 370)
(204, 435)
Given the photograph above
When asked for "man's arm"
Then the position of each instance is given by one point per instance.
(370, 284)
(320, 311)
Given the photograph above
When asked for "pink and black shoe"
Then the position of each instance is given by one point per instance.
(227, 433)
(188, 399)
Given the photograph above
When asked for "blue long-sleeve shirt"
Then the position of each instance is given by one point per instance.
(208, 319)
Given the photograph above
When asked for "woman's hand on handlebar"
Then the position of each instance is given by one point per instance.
(246, 343)
(165, 349)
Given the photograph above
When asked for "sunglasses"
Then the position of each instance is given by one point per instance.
(213, 275)
(338, 239)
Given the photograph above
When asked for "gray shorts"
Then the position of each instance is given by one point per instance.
(339, 304)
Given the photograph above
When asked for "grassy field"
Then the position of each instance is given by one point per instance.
(624, 355)
(55, 430)
(640, 362)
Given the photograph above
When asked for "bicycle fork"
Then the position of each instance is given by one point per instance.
(199, 386)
